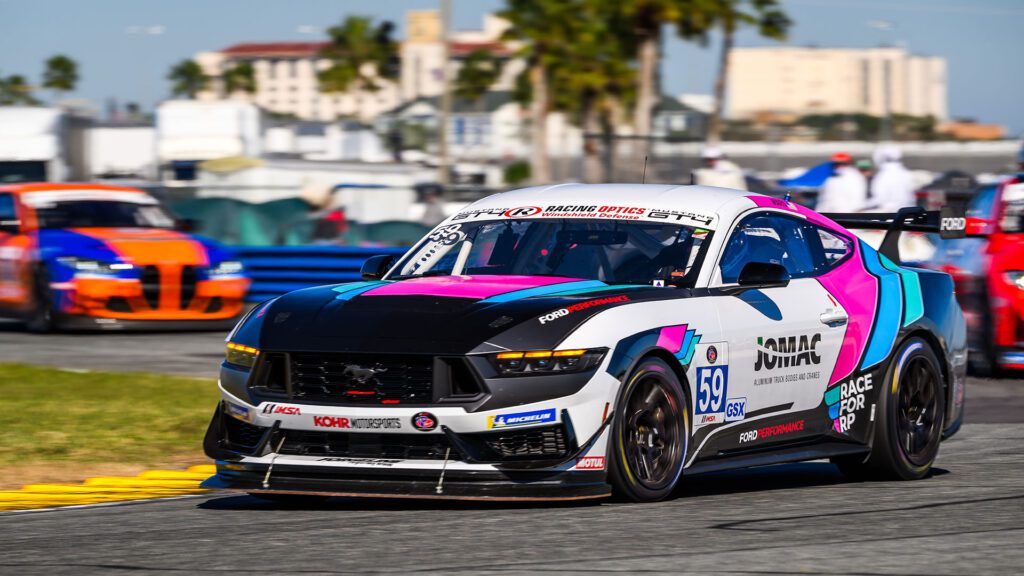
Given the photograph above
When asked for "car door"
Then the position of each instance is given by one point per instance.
(783, 341)
(14, 290)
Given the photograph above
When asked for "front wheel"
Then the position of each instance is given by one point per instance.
(40, 319)
(911, 408)
(649, 435)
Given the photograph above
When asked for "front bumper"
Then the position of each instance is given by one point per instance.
(551, 449)
(115, 301)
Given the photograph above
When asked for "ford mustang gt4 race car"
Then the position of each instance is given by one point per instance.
(109, 257)
(561, 342)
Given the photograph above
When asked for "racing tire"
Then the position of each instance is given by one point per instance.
(289, 499)
(650, 434)
(41, 318)
(984, 361)
(911, 413)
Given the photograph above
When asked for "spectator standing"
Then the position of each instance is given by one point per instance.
(892, 187)
(719, 171)
(846, 190)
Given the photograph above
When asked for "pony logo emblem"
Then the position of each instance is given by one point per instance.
(359, 375)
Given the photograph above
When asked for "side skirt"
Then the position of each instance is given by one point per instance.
(778, 456)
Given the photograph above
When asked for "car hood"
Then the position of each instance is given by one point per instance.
(436, 315)
(139, 246)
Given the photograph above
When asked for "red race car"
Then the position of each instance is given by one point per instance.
(988, 269)
(96, 256)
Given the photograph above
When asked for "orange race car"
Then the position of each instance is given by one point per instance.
(109, 257)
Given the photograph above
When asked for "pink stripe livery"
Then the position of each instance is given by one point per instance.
(671, 337)
(477, 287)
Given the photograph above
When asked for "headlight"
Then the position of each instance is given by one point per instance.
(537, 362)
(1015, 277)
(241, 355)
(89, 266)
(227, 268)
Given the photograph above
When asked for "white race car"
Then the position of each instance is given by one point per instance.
(561, 342)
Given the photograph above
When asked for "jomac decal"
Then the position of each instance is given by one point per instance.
(787, 351)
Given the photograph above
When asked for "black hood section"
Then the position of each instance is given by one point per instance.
(314, 320)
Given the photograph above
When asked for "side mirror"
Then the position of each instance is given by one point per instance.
(186, 225)
(375, 267)
(763, 275)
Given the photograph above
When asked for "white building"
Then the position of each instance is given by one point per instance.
(286, 82)
(796, 80)
(286, 72)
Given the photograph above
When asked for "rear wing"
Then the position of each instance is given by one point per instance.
(949, 222)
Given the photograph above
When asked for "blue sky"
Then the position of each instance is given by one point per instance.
(982, 40)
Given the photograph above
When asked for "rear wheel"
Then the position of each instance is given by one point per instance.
(650, 434)
(911, 408)
(40, 318)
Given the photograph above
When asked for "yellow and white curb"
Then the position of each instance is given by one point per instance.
(104, 489)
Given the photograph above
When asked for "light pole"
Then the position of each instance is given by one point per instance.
(885, 127)
(150, 30)
(443, 175)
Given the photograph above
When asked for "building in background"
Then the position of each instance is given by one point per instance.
(422, 53)
(286, 82)
(801, 81)
(286, 72)
(971, 130)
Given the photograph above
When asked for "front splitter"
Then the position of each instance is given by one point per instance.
(492, 487)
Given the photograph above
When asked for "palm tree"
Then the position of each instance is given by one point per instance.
(592, 79)
(479, 71)
(770, 21)
(15, 90)
(133, 111)
(647, 18)
(360, 54)
(240, 78)
(61, 75)
(187, 79)
(541, 25)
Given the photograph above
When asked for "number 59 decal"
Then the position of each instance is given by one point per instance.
(711, 389)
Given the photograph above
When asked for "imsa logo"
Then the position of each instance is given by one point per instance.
(787, 351)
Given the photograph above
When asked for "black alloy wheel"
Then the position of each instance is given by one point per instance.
(918, 412)
(650, 434)
(910, 415)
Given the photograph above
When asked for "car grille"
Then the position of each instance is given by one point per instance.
(150, 278)
(548, 442)
(242, 435)
(189, 278)
(366, 445)
(155, 278)
(361, 379)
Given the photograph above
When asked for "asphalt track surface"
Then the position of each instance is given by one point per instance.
(966, 518)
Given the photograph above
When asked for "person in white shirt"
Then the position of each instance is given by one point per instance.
(719, 171)
(892, 187)
(846, 190)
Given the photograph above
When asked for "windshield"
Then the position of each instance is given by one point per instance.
(611, 251)
(103, 214)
